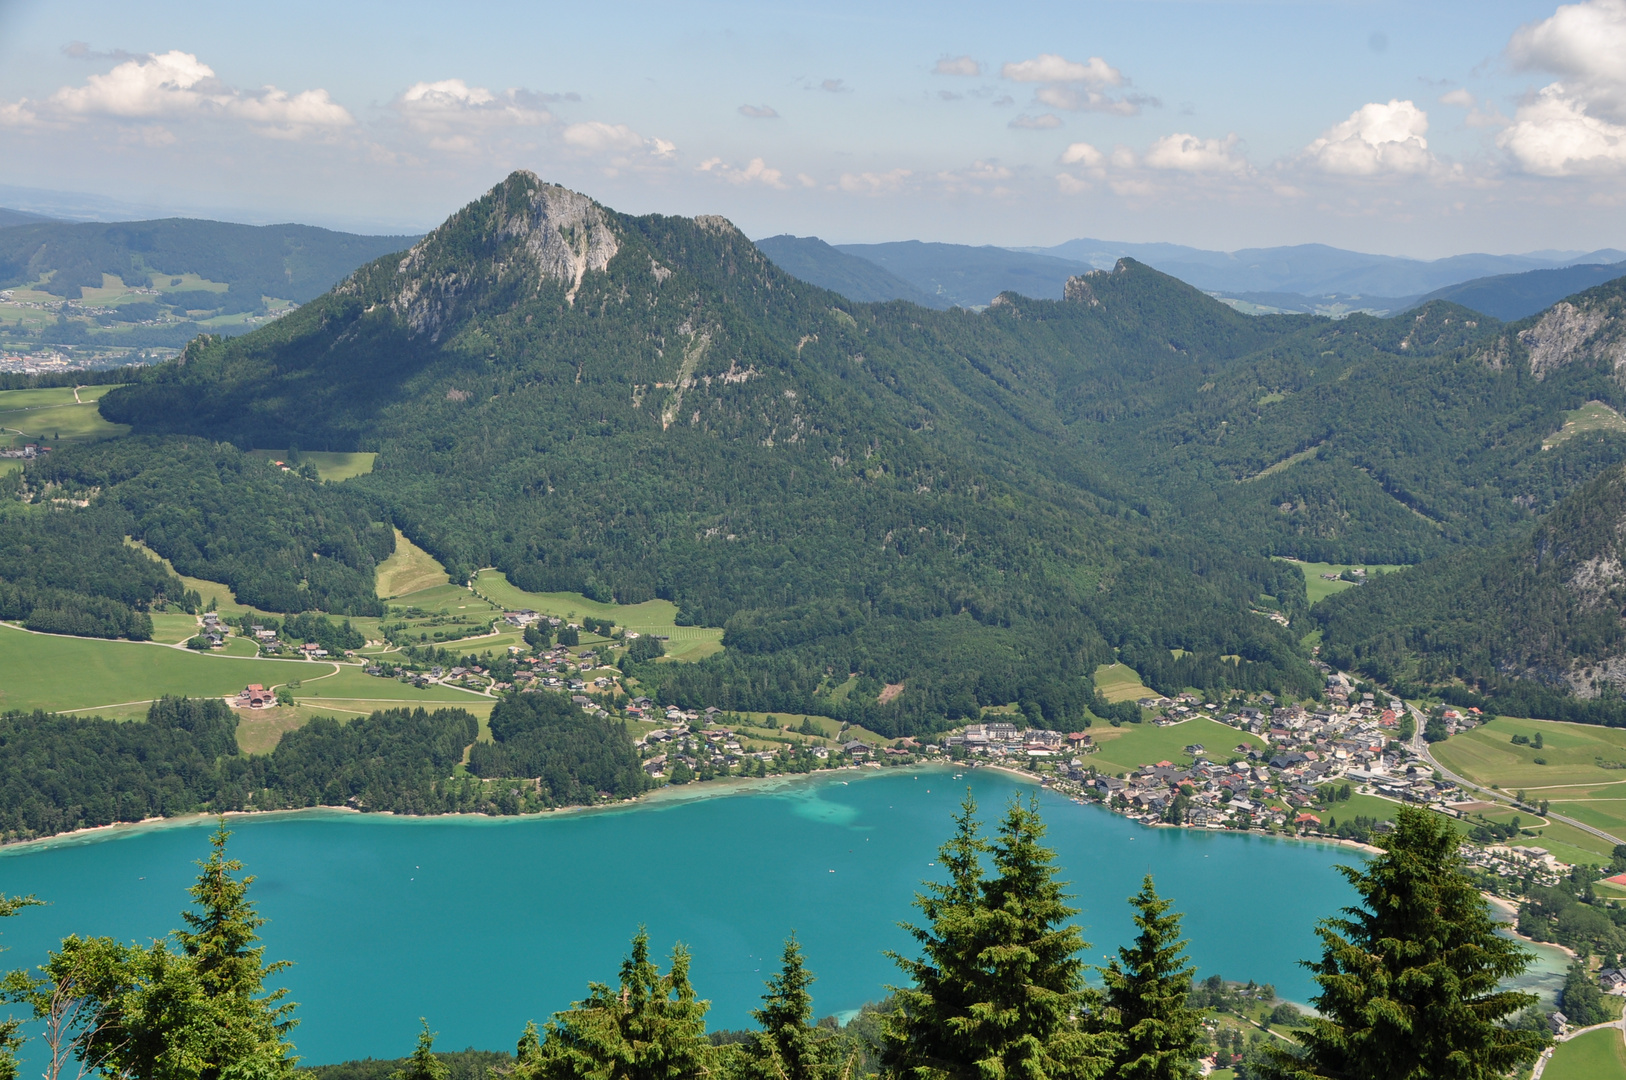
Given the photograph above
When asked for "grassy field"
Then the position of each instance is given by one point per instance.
(52, 415)
(1584, 776)
(47, 672)
(1126, 748)
(650, 617)
(1120, 682)
(354, 690)
(1319, 588)
(1597, 1055)
(1593, 416)
(409, 569)
(330, 465)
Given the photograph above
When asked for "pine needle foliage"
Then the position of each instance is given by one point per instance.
(650, 1028)
(1147, 990)
(999, 992)
(788, 1047)
(423, 1065)
(1408, 979)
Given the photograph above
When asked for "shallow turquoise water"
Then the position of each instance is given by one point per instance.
(480, 924)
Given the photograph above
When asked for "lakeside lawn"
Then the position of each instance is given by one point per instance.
(1597, 1055)
(43, 671)
(1120, 682)
(1584, 776)
(1126, 748)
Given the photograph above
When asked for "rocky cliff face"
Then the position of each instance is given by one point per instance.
(1588, 328)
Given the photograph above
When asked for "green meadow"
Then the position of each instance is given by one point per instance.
(1120, 682)
(409, 569)
(1583, 774)
(650, 617)
(1128, 747)
(1597, 1055)
(54, 415)
(1318, 588)
(330, 464)
(43, 671)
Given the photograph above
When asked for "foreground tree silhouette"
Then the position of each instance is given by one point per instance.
(788, 1047)
(423, 1064)
(10, 1040)
(650, 1028)
(1408, 979)
(196, 1012)
(1147, 987)
(999, 991)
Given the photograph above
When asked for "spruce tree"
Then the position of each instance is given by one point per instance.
(650, 1028)
(1408, 980)
(788, 1047)
(423, 1064)
(1147, 988)
(1000, 992)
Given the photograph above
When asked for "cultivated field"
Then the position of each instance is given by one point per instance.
(1120, 682)
(1584, 775)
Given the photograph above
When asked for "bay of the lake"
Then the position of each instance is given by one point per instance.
(479, 924)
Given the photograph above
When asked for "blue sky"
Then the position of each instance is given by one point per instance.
(1417, 129)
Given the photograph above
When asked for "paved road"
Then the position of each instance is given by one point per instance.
(1421, 747)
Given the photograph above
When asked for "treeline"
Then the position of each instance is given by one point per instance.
(68, 571)
(996, 985)
(59, 773)
(282, 542)
(573, 757)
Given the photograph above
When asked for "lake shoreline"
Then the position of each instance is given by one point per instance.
(667, 795)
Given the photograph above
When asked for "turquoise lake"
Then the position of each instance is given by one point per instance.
(481, 924)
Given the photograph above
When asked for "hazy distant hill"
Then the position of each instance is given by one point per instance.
(1514, 296)
(290, 262)
(1314, 269)
(9, 218)
(817, 263)
(958, 274)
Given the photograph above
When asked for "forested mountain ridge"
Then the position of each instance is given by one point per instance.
(1547, 610)
(982, 506)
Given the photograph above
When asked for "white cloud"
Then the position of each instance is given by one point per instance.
(1553, 135)
(870, 183)
(1187, 153)
(178, 84)
(1376, 139)
(957, 65)
(1584, 44)
(757, 172)
(1578, 124)
(759, 112)
(1036, 123)
(1076, 87)
(452, 104)
(1458, 97)
(980, 178)
(1082, 153)
(835, 86)
(616, 142)
(1050, 68)
(1069, 184)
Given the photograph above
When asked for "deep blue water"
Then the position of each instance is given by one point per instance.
(481, 924)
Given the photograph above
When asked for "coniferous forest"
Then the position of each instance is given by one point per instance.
(997, 987)
(981, 506)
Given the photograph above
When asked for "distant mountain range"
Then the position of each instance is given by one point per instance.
(1307, 278)
(19, 217)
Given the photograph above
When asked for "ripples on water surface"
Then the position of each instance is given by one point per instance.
(481, 924)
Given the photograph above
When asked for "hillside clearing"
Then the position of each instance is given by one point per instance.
(1120, 682)
(409, 569)
(658, 617)
(1592, 416)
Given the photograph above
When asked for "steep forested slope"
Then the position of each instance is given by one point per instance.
(979, 505)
